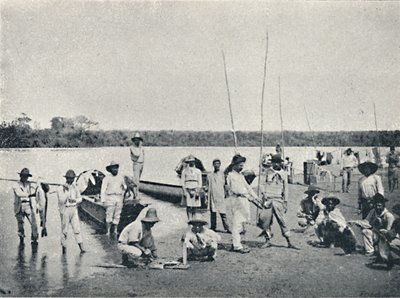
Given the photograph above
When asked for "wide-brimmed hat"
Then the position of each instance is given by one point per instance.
(276, 158)
(190, 158)
(236, 159)
(367, 168)
(137, 137)
(311, 190)
(379, 198)
(349, 150)
(112, 164)
(25, 172)
(334, 200)
(70, 174)
(151, 216)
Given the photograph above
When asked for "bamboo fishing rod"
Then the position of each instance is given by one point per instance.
(230, 104)
(34, 182)
(262, 115)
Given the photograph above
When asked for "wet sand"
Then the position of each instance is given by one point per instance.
(276, 271)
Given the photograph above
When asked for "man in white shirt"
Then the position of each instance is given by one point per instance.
(349, 162)
(68, 199)
(191, 180)
(240, 193)
(112, 190)
(137, 157)
(368, 187)
(24, 205)
(136, 240)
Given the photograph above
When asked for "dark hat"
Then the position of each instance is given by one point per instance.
(236, 159)
(137, 137)
(311, 190)
(151, 216)
(367, 168)
(334, 200)
(349, 150)
(112, 164)
(379, 198)
(25, 172)
(276, 158)
(396, 209)
(70, 174)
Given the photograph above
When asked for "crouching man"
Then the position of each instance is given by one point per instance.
(332, 227)
(201, 243)
(309, 210)
(136, 242)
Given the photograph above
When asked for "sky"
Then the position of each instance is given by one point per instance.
(158, 65)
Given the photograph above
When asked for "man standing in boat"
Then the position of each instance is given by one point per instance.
(349, 162)
(68, 199)
(240, 193)
(137, 157)
(392, 159)
(191, 180)
(112, 190)
(216, 196)
(24, 205)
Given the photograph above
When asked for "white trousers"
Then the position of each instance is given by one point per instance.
(113, 206)
(137, 172)
(70, 216)
(237, 225)
(370, 239)
(132, 251)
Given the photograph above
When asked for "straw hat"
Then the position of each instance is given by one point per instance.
(367, 168)
(112, 164)
(25, 172)
(137, 137)
(334, 200)
(190, 158)
(216, 160)
(151, 216)
(70, 174)
(197, 220)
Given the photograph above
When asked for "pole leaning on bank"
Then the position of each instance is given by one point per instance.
(230, 105)
(262, 117)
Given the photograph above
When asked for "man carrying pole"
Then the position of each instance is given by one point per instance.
(24, 206)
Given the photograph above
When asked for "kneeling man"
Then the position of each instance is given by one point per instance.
(201, 243)
(136, 242)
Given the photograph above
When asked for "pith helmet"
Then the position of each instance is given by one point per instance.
(151, 216)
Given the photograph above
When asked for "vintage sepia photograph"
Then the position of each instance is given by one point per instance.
(199, 148)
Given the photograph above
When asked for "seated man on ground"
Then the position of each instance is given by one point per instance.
(309, 210)
(201, 243)
(136, 242)
(332, 229)
(378, 222)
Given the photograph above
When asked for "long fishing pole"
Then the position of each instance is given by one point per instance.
(35, 182)
(280, 113)
(262, 115)
(230, 105)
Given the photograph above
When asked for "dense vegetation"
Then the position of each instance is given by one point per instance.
(76, 132)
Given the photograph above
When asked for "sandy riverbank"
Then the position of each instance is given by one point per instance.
(276, 271)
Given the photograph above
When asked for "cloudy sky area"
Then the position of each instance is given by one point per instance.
(151, 65)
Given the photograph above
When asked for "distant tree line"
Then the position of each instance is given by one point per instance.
(78, 132)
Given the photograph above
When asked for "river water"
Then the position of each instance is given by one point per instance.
(26, 270)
